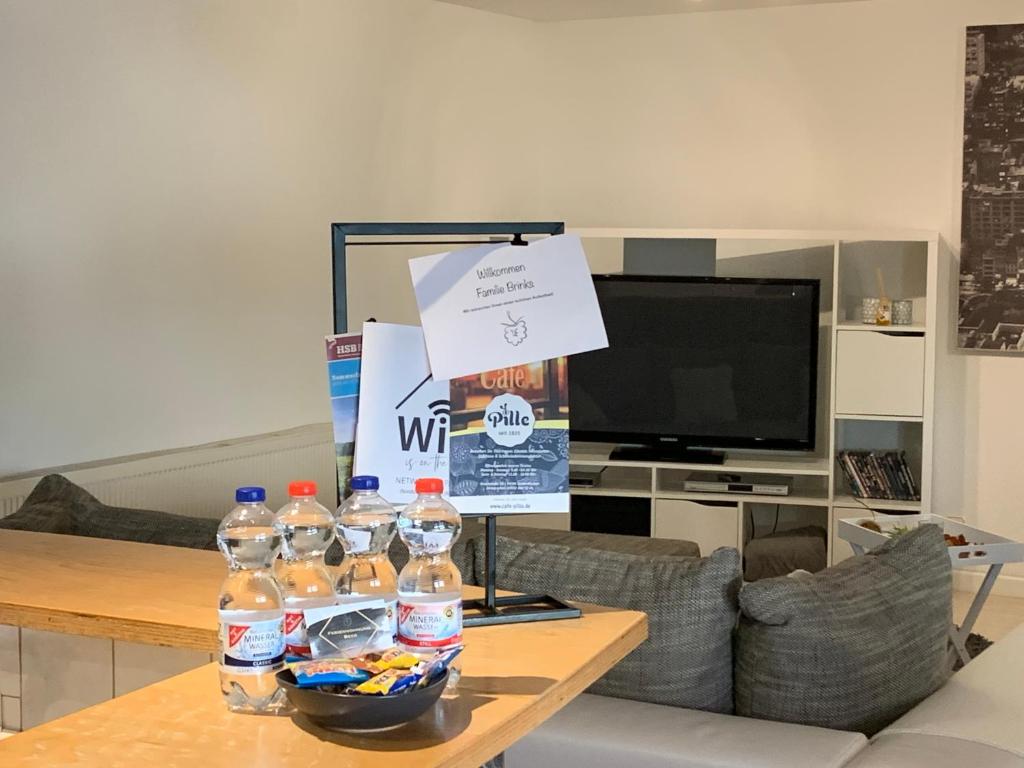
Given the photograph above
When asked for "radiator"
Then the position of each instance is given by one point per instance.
(200, 481)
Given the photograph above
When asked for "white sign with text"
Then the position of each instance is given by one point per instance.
(495, 306)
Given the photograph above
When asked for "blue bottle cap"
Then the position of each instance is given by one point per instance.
(250, 493)
(365, 483)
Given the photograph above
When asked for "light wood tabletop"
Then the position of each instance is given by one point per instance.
(514, 676)
(117, 590)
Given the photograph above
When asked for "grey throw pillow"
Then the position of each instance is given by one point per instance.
(853, 647)
(690, 605)
(56, 505)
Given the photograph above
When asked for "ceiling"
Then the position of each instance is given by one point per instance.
(571, 10)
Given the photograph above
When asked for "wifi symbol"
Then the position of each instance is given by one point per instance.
(441, 409)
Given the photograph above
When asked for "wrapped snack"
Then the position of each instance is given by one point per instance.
(390, 681)
(321, 672)
(369, 663)
(437, 666)
(397, 659)
(375, 663)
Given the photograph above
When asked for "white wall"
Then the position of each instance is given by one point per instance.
(837, 115)
(168, 173)
(170, 168)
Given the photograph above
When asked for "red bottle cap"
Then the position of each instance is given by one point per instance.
(430, 485)
(302, 488)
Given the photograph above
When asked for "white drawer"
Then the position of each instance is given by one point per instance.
(709, 525)
(878, 374)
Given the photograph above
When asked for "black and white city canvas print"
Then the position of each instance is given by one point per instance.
(991, 305)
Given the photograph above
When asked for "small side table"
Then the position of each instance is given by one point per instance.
(984, 548)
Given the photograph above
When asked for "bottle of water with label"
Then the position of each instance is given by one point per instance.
(306, 529)
(251, 608)
(366, 524)
(429, 586)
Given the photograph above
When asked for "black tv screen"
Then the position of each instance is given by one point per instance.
(701, 362)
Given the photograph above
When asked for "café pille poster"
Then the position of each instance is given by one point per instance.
(509, 443)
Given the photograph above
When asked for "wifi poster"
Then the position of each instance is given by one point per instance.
(509, 442)
(402, 432)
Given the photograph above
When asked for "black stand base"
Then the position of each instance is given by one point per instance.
(666, 453)
(512, 609)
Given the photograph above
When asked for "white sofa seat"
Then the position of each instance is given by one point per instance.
(915, 750)
(602, 732)
(975, 718)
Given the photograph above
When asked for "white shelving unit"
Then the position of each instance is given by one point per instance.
(875, 390)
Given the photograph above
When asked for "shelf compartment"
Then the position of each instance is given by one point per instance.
(904, 267)
(617, 480)
(879, 435)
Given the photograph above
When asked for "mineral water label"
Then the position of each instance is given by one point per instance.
(393, 618)
(250, 647)
(296, 639)
(430, 625)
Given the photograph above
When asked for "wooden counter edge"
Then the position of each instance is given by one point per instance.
(110, 628)
(553, 699)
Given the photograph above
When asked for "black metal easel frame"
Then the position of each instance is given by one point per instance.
(491, 609)
(509, 609)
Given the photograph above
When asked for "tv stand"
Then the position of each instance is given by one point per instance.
(668, 454)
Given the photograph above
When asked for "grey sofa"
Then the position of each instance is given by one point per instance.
(685, 698)
(973, 720)
(843, 654)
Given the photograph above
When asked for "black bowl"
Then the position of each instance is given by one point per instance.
(360, 712)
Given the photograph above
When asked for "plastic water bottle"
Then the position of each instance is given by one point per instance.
(306, 529)
(429, 586)
(366, 524)
(251, 608)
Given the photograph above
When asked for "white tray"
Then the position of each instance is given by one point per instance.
(984, 548)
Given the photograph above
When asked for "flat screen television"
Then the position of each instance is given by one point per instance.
(698, 363)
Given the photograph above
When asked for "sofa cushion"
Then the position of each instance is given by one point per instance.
(690, 605)
(852, 647)
(782, 552)
(599, 732)
(981, 704)
(919, 751)
(56, 505)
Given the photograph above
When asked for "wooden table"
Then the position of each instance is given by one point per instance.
(116, 590)
(514, 676)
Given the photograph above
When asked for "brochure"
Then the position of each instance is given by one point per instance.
(402, 431)
(496, 306)
(343, 362)
(510, 440)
